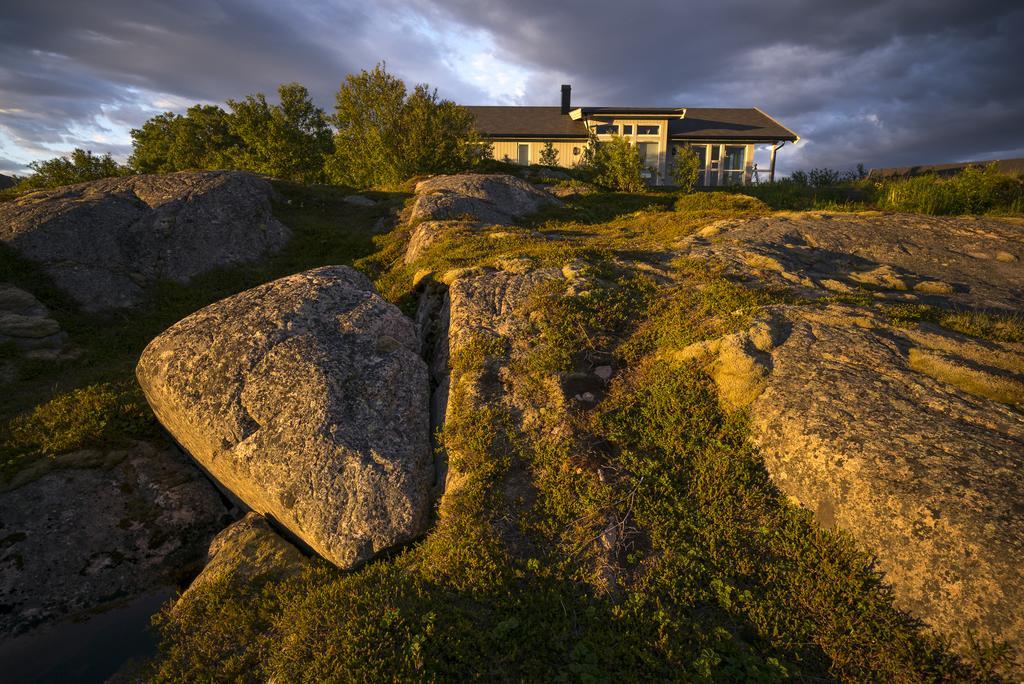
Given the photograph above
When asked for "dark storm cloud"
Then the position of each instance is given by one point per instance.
(879, 82)
(70, 66)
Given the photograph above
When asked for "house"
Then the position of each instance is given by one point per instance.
(723, 139)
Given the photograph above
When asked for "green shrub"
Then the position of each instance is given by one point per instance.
(794, 195)
(617, 165)
(199, 139)
(289, 140)
(549, 155)
(386, 135)
(80, 167)
(685, 168)
(975, 190)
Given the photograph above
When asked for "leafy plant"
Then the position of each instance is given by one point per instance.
(201, 139)
(79, 167)
(386, 135)
(685, 168)
(548, 154)
(288, 141)
(617, 165)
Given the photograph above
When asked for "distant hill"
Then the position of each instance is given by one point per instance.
(1009, 166)
(8, 181)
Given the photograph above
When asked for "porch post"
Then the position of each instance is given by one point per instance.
(771, 166)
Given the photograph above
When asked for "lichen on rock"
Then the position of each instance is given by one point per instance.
(103, 242)
(307, 398)
(902, 437)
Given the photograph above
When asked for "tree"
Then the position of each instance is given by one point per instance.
(82, 166)
(617, 165)
(201, 139)
(548, 154)
(386, 135)
(290, 140)
(685, 168)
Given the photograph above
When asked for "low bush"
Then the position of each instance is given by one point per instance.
(793, 195)
(617, 165)
(685, 168)
(80, 166)
(975, 190)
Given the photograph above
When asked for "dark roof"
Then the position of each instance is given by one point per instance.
(700, 123)
(522, 122)
(706, 123)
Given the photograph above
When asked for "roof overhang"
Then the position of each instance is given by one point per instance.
(533, 136)
(746, 140)
(645, 112)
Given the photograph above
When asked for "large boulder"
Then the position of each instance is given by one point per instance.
(104, 241)
(911, 439)
(93, 527)
(494, 198)
(950, 261)
(306, 397)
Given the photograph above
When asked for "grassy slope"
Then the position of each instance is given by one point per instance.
(721, 579)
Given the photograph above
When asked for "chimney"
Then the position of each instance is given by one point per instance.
(566, 93)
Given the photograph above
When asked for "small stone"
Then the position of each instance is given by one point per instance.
(934, 287)
(358, 201)
(1005, 257)
(603, 372)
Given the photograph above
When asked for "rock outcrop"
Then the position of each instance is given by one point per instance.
(495, 198)
(427, 233)
(246, 552)
(911, 439)
(307, 398)
(101, 526)
(27, 323)
(104, 241)
(962, 261)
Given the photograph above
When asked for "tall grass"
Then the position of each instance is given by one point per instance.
(975, 190)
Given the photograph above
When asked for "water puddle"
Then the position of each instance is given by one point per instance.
(88, 651)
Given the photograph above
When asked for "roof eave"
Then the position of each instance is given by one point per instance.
(746, 138)
(796, 138)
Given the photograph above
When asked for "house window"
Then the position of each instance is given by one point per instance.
(648, 156)
(627, 129)
(607, 129)
(732, 164)
(702, 154)
(523, 154)
(648, 130)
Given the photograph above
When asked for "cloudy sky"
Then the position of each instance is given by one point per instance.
(883, 82)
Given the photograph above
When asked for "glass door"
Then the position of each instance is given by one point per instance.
(714, 165)
(649, 158)
(523, 154)
(732, 164)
